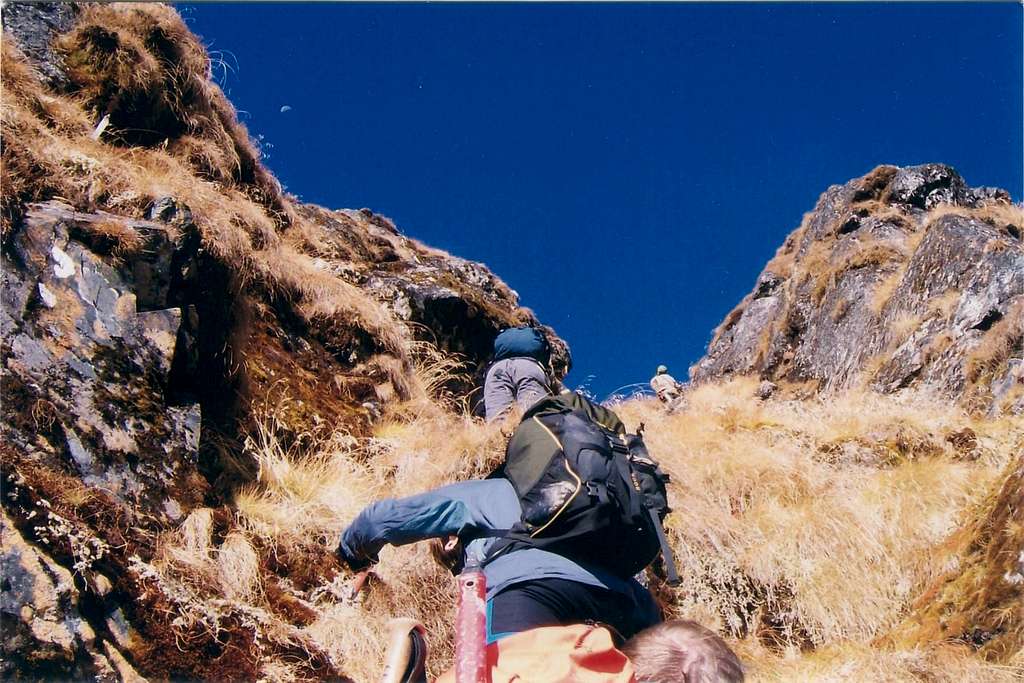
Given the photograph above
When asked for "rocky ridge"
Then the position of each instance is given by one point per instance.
(904, 277)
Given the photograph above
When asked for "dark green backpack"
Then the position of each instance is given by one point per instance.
(588, 490)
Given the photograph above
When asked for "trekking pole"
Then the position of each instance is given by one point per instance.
(471, 627)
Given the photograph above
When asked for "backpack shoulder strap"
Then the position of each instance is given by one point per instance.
(596, 412)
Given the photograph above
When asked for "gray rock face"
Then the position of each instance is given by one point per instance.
(458, 305)
(44, 633)
(85, 373)
(33, 26)
(924, 187)
(903, 277)
(76, 346)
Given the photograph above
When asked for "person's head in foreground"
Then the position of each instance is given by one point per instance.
(682, 651)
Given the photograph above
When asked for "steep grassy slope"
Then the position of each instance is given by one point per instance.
(806, 531)
(204, 380)
(160, 295)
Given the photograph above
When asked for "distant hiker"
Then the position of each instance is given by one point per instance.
(526, 587)
(682, 651)
(666, 387)
(519, 374)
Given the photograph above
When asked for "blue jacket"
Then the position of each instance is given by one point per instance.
(476, 506)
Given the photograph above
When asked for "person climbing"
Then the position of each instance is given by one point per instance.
(666, 387)
(519, 374)
(527, 587)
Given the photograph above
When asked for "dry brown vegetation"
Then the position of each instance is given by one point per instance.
(127, 59)
(989, 358)
(1006, 217)
(805, 529)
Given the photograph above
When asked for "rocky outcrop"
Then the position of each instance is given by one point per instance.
(458, 306)
(162, 301)
(903, 277)
(88, 346)
(33, 25)
(87, 354)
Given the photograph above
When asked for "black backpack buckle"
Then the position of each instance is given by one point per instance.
(599, 491)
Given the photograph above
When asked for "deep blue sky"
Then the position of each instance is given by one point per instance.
(627, 168)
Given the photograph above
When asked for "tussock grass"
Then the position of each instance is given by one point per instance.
(141, 61)
(142, 67)
(325, 299)
(903, 326)
(305, 494)
(800, 525)
(1004, 216)
(306, 488)
(857, 662)
(813, 520)
(943, 305)
(238, 568)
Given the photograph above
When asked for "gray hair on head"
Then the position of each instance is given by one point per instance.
(682, 651)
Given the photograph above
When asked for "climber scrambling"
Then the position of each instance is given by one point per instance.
(526, 587)
(519, 374)
(574, 515)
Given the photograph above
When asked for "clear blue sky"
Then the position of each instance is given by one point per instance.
(627, 168)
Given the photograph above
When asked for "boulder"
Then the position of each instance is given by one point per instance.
(33, 26)
(85, 371)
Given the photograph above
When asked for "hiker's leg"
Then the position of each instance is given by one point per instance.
(499, 391)
(530, 380)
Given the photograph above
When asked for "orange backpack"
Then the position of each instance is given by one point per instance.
(556, 654)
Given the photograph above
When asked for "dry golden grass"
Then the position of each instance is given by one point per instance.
(141, 65)
(998, 344)
(944, 304)
(785, 256)
(819, 514)
(324, 298)
(798, 524)
(884, 289)
(875, 185)
(988, 360)
(307, 495)
(903, 326)
(112, 236)
(126, 58)
(858, 662)
(303, 491)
